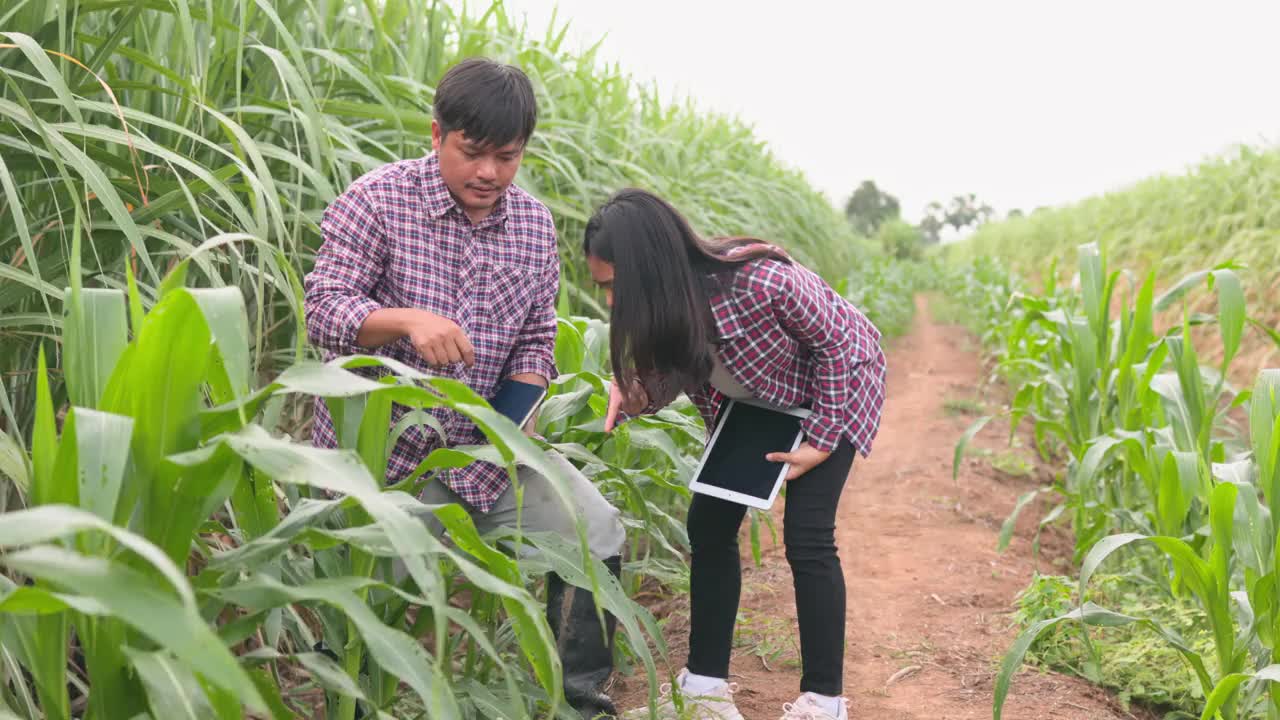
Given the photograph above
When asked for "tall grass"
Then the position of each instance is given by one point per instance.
(148, 129)
(163, 170)
(1223, 210)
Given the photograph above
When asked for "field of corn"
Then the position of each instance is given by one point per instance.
(1222, 211)
(170, 544)
(1168, 468)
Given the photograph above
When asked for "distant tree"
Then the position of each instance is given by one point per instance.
(965, 210)
(900, 239)
(931, 224)
(869, 207)
(1015, 213)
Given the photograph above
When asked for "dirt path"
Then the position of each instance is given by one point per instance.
(929, 596)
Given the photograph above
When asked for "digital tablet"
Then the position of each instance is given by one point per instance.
(734, 467)
(518, 400)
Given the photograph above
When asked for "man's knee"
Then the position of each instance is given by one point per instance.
(606, 535)
(605, 532)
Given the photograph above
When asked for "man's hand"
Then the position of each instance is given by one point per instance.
(633, 402)
(802, 459)
(437, 339)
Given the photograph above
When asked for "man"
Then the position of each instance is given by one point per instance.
(442, 263)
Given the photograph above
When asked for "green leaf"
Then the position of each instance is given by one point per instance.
(1264, 434)
(160, 385)
(1175, 293)
(44, 439)
(1231, 311)
(102, 441)
(224, 314)
(326, 672)
(13, 462)
(1089, 613)
(393, 650)
(961, 444)
(1011, 522)
(1228, 685)
(94, 336)
(151, 611)
(636, 622)
(172, 691)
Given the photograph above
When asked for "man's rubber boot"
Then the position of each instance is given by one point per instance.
(585, 654)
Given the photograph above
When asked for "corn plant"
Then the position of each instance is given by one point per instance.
(1222, 210)
(1154, 458)
(175, 553)
(1089, 380)
(1240, 553)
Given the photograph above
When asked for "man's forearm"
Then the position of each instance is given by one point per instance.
(531, 378)
(381, 327)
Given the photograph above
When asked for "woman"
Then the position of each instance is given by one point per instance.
(737, 318)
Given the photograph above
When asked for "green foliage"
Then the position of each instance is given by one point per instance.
(1134, 662)
(1153, 456)
(167, 545)
(1222, 210)
(198, 559)
(137, 132)
(885, 288)
(900, 239)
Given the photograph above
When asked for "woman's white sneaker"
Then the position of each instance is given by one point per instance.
(807, 707)
(713, 704)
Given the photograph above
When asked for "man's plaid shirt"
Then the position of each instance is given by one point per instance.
(397, 239)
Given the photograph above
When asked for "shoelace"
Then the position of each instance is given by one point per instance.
(790, 711)
(665, 690)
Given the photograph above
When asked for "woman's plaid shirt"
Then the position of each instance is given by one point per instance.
(791, 340)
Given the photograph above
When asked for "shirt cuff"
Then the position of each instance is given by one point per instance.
(354, 313)
(821, 433)
(537, 363)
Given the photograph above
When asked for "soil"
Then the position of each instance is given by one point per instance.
(929, 598)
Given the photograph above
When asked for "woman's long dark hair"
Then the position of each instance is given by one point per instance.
(662, 324)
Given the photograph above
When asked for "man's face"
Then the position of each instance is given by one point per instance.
(476, 173)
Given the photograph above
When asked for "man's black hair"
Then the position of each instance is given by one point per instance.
(491, 103)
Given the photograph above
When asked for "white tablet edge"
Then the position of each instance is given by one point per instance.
(532, 409)
(738, 497)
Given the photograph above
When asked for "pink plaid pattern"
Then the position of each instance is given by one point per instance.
(397, 239)
(790, 339)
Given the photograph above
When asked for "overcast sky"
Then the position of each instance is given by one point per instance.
(1025, 102)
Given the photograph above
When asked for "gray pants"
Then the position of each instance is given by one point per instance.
(543, 509)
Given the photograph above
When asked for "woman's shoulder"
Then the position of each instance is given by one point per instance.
(765, 275)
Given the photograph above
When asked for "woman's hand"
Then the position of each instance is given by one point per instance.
(802, 459)
(634, 402)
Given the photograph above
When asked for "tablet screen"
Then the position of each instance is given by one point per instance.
(735, 461)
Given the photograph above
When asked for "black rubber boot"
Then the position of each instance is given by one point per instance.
(584, 653)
